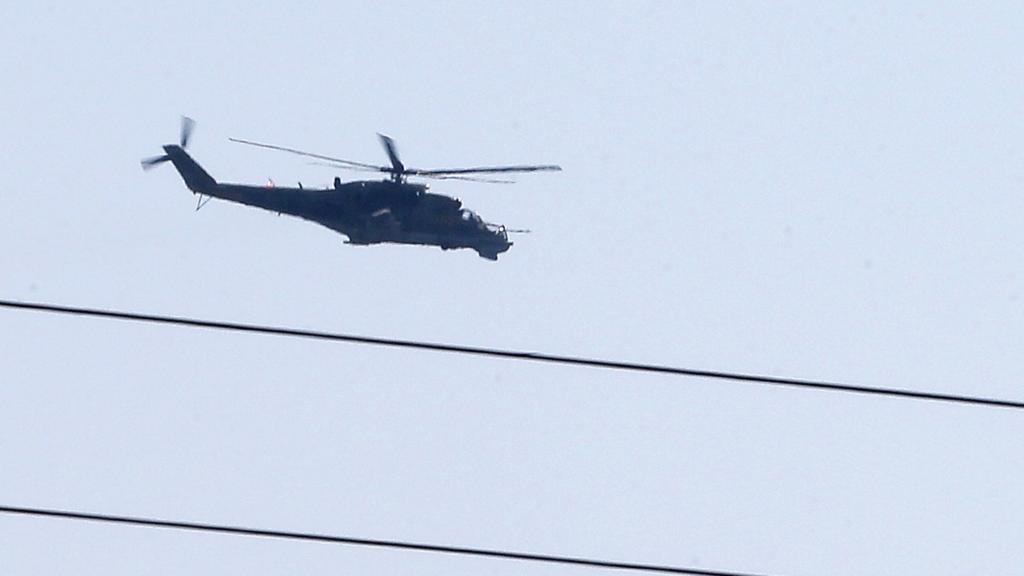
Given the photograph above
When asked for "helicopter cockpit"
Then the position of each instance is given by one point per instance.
(472, 218)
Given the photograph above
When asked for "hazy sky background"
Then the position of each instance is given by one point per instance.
(828, 192)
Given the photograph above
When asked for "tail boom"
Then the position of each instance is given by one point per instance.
(197, 179)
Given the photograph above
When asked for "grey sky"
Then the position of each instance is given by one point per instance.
(817, 192)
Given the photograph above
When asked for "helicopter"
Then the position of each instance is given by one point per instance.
(367, 212)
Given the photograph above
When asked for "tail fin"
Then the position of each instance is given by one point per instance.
(192, 173)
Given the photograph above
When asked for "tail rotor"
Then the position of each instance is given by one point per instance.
(152, 162)
(187, 125)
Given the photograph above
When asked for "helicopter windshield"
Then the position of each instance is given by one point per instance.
(471, 217)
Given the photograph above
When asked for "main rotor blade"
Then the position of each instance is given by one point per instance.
(392, 150)
(437, 177)
(486, 170)
(343, 167)
(152, 162)
(187, 124)
(467, 179)
(312, 155)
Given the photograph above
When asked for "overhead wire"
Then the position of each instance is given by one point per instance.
(367, 542)
(514, 355)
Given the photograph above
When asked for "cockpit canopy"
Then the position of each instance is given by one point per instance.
(471, 217)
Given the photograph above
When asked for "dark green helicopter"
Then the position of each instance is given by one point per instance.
(367, 212)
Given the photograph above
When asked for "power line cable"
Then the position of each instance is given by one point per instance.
(513, 355)
(392, 544)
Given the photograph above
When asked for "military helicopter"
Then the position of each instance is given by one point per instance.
(367, 212)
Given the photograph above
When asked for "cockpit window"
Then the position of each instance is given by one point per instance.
(471, 219)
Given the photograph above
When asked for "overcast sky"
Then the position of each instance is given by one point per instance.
(821, 192)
